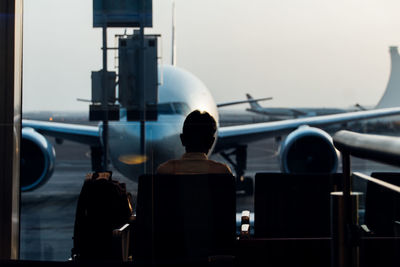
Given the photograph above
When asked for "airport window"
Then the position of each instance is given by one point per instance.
(286, 176)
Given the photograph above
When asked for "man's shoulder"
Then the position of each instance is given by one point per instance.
(166, 167)
(220, 167)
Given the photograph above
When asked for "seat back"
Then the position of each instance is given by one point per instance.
(382, 206)
(293, 205)
(382, 211)
(184, 216)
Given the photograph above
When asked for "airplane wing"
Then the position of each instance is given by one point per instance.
(298, 112)
(230, 136)
(242, 101)
(84, 134)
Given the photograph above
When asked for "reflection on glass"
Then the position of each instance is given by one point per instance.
(290, 60)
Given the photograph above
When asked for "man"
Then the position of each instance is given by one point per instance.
(197, 137)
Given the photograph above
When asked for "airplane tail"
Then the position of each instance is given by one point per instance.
(391, 96)
(253, 104)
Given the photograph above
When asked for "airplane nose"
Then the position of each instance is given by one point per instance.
(162, 143)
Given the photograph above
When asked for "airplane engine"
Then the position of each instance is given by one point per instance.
(37, 159)
(308, 150)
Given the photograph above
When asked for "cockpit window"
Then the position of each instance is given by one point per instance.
(181, 108)
(173, 108)
(167, 108)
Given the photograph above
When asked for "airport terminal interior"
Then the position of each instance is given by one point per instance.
(314, 186)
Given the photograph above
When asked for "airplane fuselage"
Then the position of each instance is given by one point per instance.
(180, 93)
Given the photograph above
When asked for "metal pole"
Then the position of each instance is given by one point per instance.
(340, 207)
(346, 208)
(350, 249)
(347, 188)
(10, 126)
(142, 88)
(344, 250)
(340, 219)
(105, 101)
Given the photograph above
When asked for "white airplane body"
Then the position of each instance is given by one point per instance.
(283, 113)
(180, 93)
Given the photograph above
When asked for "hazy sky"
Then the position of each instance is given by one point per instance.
(301, 52)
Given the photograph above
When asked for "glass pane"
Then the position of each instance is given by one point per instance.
(311, 59)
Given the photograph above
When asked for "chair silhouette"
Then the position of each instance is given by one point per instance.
(382, 216)
(184, 217)
(293, 205)
(382, 206)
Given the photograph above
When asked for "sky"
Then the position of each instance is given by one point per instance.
(303, 53)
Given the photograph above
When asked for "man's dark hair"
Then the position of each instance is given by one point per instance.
(198, 132)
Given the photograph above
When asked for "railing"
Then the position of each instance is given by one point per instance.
(384, 149)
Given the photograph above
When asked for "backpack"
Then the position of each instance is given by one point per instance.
(103, 205)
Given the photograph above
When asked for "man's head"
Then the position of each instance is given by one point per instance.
(198, 132)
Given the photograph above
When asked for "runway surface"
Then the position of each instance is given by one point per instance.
(47, 214)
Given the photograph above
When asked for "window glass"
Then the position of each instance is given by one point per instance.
(308, 56)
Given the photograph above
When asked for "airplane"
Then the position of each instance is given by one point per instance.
(388, 99)
(278, 113)
(303, 150)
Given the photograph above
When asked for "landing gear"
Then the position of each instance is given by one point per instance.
(96, 155)
(244, 185)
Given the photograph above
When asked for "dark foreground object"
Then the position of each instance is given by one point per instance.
(103, 206)
(184, 217)
(190, 221)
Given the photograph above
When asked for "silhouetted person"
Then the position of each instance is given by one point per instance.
(198, 136)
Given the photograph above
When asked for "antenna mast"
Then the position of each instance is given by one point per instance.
(173, 54)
